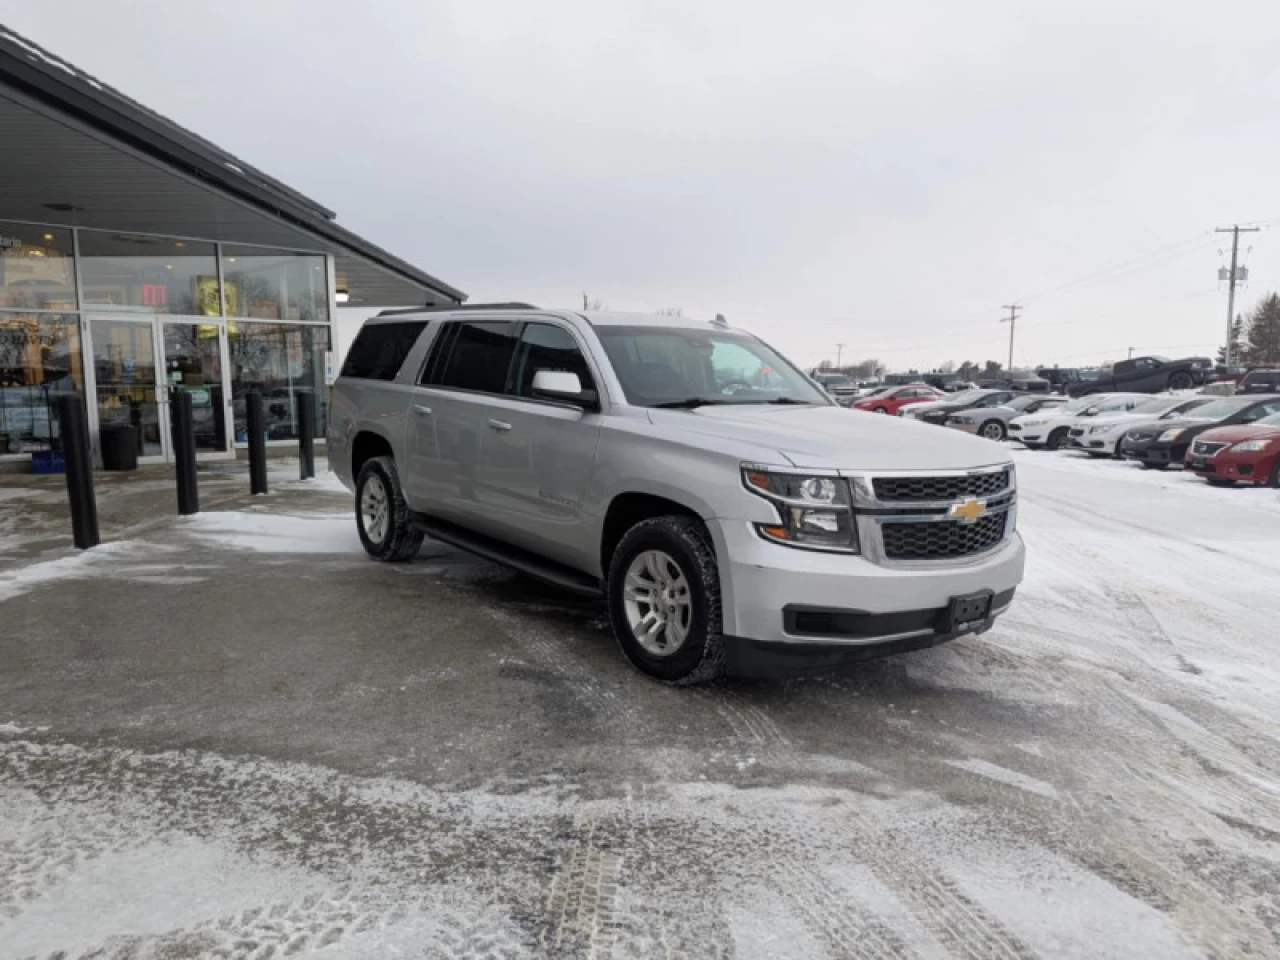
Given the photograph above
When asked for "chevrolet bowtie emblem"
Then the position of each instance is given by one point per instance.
(968, 511)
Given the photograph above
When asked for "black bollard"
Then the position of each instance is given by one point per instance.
(307, 434)
(257, 443)
(184, 452)
(74, 429)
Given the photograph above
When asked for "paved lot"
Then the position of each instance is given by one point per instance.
(233, 736)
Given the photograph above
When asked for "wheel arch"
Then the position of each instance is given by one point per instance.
(366, 445)
(630, 507)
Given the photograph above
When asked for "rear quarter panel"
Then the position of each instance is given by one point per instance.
(356, 406)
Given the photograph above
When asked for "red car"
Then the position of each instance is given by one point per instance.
(1245, 453)
(892, 399)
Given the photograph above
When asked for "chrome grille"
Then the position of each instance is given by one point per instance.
(941, 541)
(896, 489)
(1207, 448)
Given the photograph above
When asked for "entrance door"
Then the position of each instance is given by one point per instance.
(126, 363)
(193, 365)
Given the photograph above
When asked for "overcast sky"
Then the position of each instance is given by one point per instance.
(882, 174)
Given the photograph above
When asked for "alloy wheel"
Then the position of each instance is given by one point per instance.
(658, 603)
(374, 512)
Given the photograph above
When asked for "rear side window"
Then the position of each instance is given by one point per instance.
(547, 347)
(479, 357)
(379, 349)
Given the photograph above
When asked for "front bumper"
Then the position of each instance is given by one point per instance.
(775, 595)
(1241, 467)
(1154, 452)
(1098, 443)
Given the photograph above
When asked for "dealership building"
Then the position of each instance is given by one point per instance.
(137, 259)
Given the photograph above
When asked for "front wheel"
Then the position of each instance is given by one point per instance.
(1181, 380)
(993, 430)
(1154, 466)
(880, 410)
(1057, 438)
(664, 601)
(382, 516)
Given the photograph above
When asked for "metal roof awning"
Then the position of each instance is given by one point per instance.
(78, 153)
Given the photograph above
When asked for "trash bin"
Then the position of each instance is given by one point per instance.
(119, 446)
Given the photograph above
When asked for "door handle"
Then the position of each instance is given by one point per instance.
(500, 425)
(421, 411)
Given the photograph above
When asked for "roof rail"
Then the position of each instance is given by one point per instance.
(451, 308)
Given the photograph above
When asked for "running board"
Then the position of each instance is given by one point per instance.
(524, 561)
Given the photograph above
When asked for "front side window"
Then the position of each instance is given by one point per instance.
(39, 361)
(36, 271)
(679, 366)
(379, 349)
(152, 274)
(479, 358)
(544, 346)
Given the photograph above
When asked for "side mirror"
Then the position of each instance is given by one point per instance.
(564, 387)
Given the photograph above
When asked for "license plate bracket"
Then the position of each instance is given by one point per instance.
(968, 612)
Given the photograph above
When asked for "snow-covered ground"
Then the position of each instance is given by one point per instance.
(1099, 776)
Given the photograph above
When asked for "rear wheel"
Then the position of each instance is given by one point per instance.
(1057, 438)
(992, 430)
(664, 600)
(382, 516)
(1181, 380)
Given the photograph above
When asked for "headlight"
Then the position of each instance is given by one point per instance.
(1034, 423)
(1170, 435)
(1101, 429)
(1252, 446)
(813, 511)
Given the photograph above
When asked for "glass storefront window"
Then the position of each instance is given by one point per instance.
(124, 361)
(275, 284)
(39, 361)
(285, 364)
(154, 274)
(36, 268)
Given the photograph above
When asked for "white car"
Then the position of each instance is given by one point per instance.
(1052, 428)
(1102, 439)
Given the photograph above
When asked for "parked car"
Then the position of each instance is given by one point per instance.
(1259, 380)
(629, 458)
(839, 385)
(993, 422)
(937, 412)
(1250, 454)
(1060, 378)
(1049, 427)
(1102, 438)
(1146, 375)
(892, 400)
(1018, 382)
(1159, 446)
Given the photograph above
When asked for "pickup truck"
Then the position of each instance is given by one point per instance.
(1146, 375)
(730, 514)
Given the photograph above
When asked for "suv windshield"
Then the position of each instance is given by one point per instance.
(692, 367)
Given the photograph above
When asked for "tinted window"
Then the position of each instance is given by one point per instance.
(480, 357)
(546, 347)
(379, 349)
(1261, 381)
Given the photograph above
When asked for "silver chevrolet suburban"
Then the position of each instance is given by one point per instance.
(732, 515)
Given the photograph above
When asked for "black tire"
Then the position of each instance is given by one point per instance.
(1220, 482)
(398, 541)
(702, 655)
(993, 430)
(880, 410)
(1181, 380)
(1057, 438)
(1275, 476)
(1153, 466)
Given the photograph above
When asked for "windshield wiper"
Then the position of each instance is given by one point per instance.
(688, 403)
(792, 400)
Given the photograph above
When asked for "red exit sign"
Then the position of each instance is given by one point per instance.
(155, 295)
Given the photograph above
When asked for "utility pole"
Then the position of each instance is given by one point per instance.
(1012, 321)
(839, 354)
(1131, 353)
(584, 300)
(1232, 280)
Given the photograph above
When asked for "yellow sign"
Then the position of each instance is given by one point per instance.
(969, 511)
(207, 302)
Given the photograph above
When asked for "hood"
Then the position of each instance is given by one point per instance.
(1053, 413)
(1241, 432)
(830, 437)
(931, 405)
